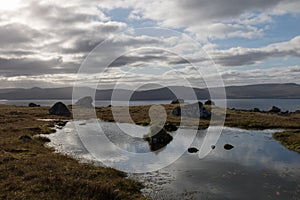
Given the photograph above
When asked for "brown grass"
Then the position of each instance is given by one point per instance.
(31, 171)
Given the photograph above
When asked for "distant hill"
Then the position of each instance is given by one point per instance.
(261, 91)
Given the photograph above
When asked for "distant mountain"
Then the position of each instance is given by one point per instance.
(262, 91)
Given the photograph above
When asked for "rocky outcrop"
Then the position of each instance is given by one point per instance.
(85, 102)
(196, 110)
(177, 101)
(60, 109)
(256, 110)
(275, 109)
(33, 105)
(209, 103)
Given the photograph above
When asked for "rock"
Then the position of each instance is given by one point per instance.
(228, 147)
(33, 105)
(170, 127)
(256, 110)
(157, 137)
(275, 109)
(85, 102)
(213, 146)
(109, 106)
(60, 109)
(196, 110)
(209, 102)
(192, 150)
(177, 101)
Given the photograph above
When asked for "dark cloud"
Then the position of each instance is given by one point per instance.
(26, 66)
(225, 9)
(17, 34)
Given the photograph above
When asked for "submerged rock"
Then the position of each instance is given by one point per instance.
(60, 109)
(193, 150)
(228, 146)
(177, 101)
(85, 102)
(196, 110)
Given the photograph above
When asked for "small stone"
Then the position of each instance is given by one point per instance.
(213, 146)
(228, 147)
(193, 150)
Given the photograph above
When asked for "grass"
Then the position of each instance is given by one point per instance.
(290, 139)
(31, 171)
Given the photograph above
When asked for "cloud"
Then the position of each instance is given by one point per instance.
(27, 66)
(17, 34)
(248, 56)
(209, 19)
(42, 39)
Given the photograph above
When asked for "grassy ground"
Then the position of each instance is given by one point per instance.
(290, 139)
(28, 170)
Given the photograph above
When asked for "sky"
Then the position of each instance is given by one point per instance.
(134, 42)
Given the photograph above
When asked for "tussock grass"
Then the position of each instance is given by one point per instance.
(28, 170)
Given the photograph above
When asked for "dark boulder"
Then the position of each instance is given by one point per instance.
(196, 110)
(157, 137)
(192, 150)
(85, 102)
(177, 101)
(209, 103)
(228, 147)
(275, 109)
(213, 146)
(170, 127)
(33, 105)
(60, 109)
(256, 110)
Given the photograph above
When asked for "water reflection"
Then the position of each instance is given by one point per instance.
(257, 167)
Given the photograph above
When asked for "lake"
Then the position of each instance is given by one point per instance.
(258, 167)
(263, 104)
